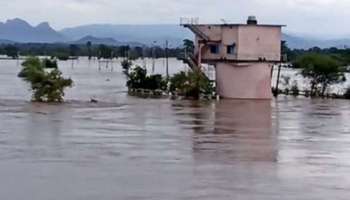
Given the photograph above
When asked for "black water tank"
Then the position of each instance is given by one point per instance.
(252, 20)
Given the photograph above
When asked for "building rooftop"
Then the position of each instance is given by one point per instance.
(235, 25)
(251, 21)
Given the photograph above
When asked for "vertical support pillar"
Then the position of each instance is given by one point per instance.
(200, 55)
(278, 81)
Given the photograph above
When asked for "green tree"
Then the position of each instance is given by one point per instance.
(124, 51)
(11, 51)
(73, 50)
(126, 64)
(88, 46)
(322, 70)
(47, 84)
(188, 45)
(138, 79)
(191, 84)
(105, 51)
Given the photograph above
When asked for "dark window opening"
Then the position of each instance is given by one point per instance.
(214, 49)
(231, 49)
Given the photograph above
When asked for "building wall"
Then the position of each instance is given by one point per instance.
(230, 36)
(244, 81)
(259, 42)
(252, 42)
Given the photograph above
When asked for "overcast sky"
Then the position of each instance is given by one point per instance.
(316, 17)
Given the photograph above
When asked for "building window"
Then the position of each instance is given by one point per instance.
(214, 48)
(231, 49)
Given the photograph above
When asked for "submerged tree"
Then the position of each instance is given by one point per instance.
(126, 64)
(47, 84)
(138, 79)
(322, 70)
(192, 84)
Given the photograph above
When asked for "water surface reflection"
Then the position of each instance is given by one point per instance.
(230, 130)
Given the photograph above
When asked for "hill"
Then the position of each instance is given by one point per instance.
(105, 41)
(298, 42)
(20, 31)
(6, 41)
(146, 34)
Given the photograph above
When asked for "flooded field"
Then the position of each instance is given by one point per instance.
(130, 148)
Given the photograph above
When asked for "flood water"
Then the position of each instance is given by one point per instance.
(130, 148)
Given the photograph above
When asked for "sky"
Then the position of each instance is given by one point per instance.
(317, 18)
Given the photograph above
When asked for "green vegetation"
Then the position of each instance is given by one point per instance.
(11, 51)
(45, 79)
(193, 84)
(138, 79)
(126, 64)
(89, 51)
(61, 56)
(188, 46)
(63, 51)
(321, 70)
(49, 63)
(342, 56)
(295, 89)
(105, 52)
(347, 93)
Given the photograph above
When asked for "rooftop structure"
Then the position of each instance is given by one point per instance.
(243, 55)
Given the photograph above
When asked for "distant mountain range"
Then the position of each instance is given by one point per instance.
(106, 41)
(146, 34)
(6, 42)
(18, 30)
(298, 42)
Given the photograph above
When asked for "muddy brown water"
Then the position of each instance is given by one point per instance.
(130, 148)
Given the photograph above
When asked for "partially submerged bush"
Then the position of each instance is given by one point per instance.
(191, 84)
(46, 80)
(321, 70)
(62, 56)
(295, 89)
(138, 79)
(126, 64)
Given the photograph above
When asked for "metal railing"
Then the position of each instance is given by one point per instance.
(187, 20)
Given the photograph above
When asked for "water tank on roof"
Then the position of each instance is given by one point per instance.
(252, 20)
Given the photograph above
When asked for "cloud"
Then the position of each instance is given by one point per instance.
(321, 17)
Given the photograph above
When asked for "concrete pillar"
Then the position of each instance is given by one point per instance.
(244, 80)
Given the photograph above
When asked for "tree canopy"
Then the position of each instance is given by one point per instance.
(322, 70)
(46, 80)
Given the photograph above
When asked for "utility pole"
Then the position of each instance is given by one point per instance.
(167, 59)
(153, 57)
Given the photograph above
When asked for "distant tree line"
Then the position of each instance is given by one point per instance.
(341, 55)
(90, 50)
(321, 67)
(133, 52)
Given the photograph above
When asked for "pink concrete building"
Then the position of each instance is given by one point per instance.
(243, 56)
